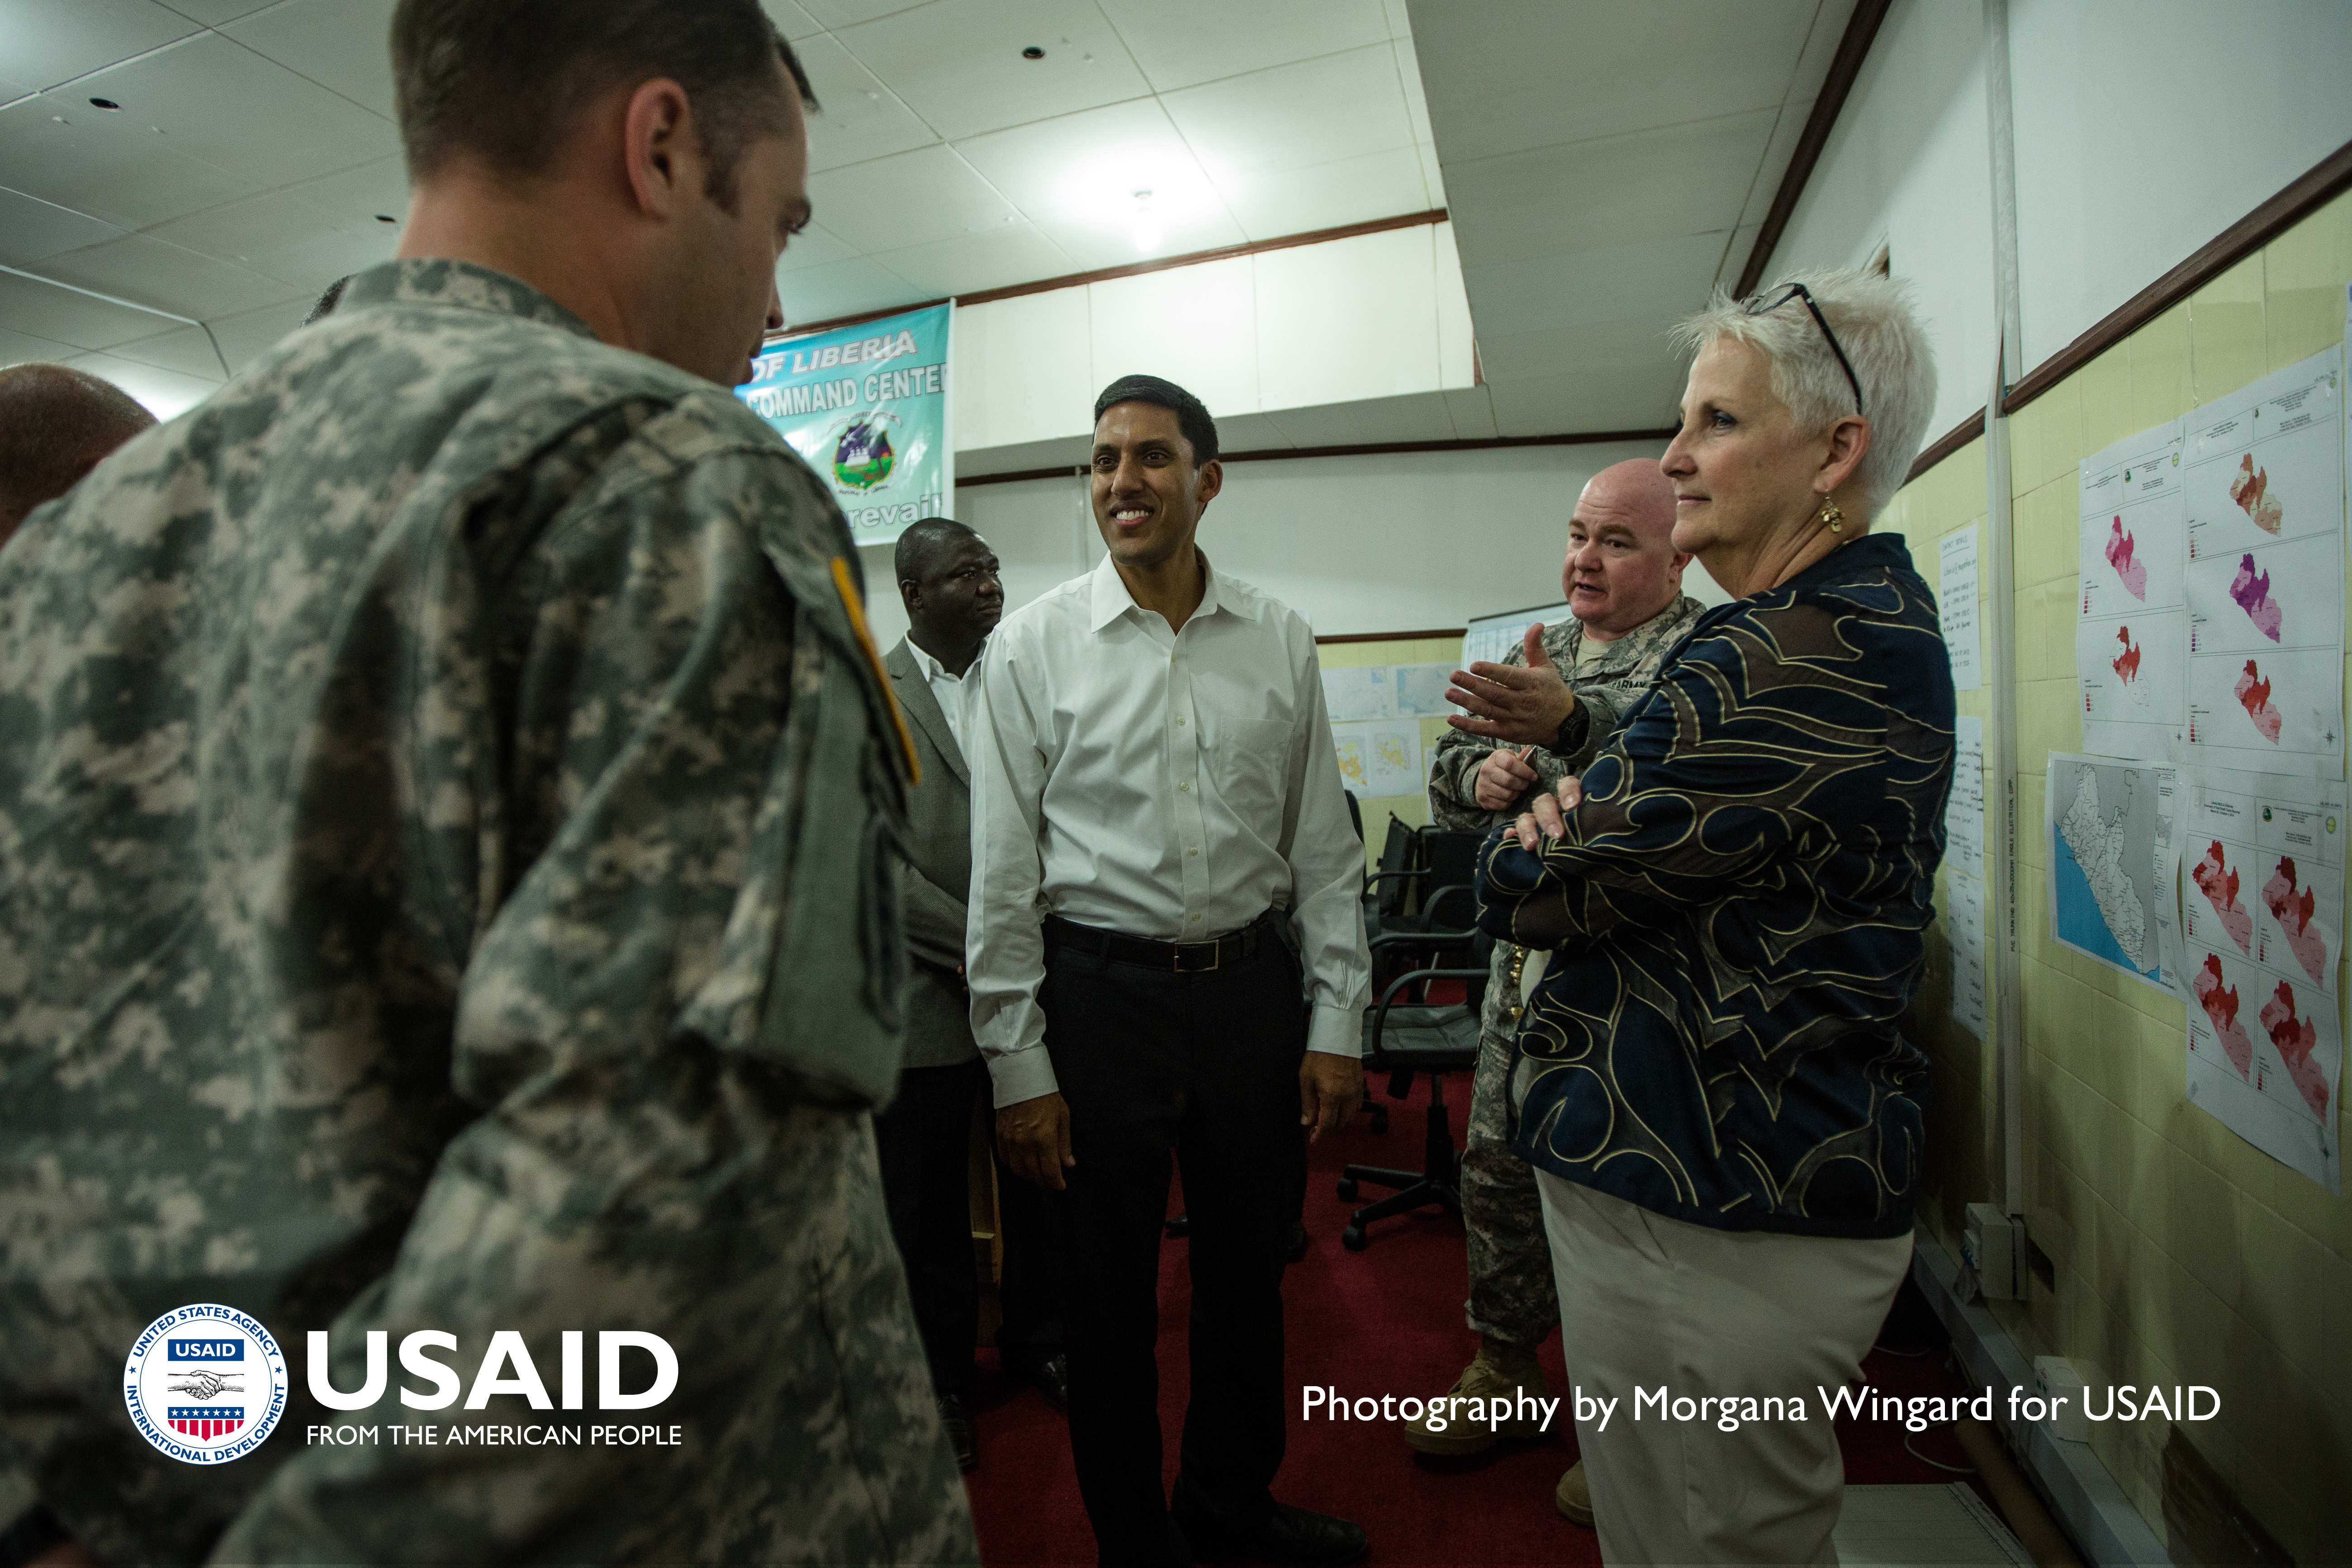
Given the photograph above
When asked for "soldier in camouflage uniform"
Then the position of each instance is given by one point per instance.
(1622, 576)
(448, 801)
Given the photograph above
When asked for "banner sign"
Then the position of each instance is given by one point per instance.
(867, 406)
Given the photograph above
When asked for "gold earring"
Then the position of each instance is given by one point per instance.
(1832, 514)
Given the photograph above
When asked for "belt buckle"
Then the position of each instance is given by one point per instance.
(1184, 949)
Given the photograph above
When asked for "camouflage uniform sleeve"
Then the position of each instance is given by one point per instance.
(617, 810)
(1453, 776)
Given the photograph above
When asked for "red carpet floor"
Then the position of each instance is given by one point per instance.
(1384, 1320)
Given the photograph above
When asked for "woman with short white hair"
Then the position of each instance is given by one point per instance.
(1725, 1121)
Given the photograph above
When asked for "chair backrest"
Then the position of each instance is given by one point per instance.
(1399, 852)
(1355, 815)
(1453, 861)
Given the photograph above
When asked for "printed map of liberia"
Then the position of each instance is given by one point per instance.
(2218, 880)
(2132, 573)
(2293, 905)
(2100, 845)
(2253, 594)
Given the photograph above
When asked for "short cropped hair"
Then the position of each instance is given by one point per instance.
(1191, 415)
(55, 423)
(921, 543)
(1879, 330)
(502, 81)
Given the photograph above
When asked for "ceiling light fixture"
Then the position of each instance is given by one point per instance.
(1033, 53)
(104, 103)
(386, 217)
(1146, 222)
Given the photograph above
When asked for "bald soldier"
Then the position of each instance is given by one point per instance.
(449, 805)
(55, 423)
(1539, 716)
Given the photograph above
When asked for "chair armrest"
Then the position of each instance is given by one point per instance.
(1437, 901)
(1389, 997)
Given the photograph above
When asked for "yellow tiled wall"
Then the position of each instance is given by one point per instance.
(1412, 810)
(2182, 1254)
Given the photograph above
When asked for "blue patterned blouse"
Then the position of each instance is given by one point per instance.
(1738, 907)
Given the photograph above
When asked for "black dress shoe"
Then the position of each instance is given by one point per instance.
(1288, 1535)
(958, 1426)
(1051, 1377)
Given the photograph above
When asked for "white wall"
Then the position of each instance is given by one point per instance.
(1399, 542)
(2146, 127)
(1908, 164)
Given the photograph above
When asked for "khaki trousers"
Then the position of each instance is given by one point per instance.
(1646, 1301)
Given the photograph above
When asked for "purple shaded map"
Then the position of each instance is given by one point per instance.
(2119, 556)
(2252, 595)
(2221, 1004)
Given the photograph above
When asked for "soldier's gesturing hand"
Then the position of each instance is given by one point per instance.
(1034, 1137)
(1502, 778)
(1523, 705)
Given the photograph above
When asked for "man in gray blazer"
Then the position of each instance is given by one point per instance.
(947, 581)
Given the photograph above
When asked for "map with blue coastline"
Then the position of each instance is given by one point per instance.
(2109, 831)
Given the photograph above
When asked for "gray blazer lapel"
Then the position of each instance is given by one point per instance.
(915, 696)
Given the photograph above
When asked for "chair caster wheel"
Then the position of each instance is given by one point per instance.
(1353, 1238)
(1347, 1188)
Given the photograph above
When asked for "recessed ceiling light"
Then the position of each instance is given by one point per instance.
(1033, 53)
(104, 103)
(386, 217)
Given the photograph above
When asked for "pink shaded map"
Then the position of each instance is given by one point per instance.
(2221, 1004)
(2126, 663)
(2119, 556)
(2251, 490)
(2292, 907)
(2294, 1038)
(2219, 883)
(2253, 597)
(2254, 694)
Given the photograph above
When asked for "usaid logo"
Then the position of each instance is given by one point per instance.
(205, 1383)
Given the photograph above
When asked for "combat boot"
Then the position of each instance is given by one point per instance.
(1574, 1496)
(1498, 1371)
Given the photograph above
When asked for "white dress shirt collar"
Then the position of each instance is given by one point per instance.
(1111, 598)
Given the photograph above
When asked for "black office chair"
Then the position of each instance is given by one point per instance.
(1403, 1038)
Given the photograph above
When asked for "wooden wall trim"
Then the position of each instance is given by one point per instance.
(1132, 270)
(2323, 181)
(1363, 449)
(1944, 445)
(1395, 637)
(1861, 27)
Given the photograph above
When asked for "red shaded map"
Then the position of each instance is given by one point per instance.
(2126, 663)
(2218, 882)
(2119, 556)
(2255, 696)
(2294, 1038)
(2221, 1004)
(2251, 490)
(2292, 907)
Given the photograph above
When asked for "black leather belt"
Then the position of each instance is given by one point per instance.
(1181, 957)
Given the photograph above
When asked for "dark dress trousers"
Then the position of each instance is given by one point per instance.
(924, 1138)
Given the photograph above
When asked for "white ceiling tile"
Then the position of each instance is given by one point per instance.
(1432, 178)
(970, 263)
(1076, 178)
(815, 246)
(1416, 417)
(1251, 433)
(1683, 179)
(957, 63)
(1504, 75)
(1355, 319)
(1473, 411)
(1399, 19)
(1059, 452)
(1183, 45)
(911, 198)
(1457, 351)
(218, 101)
(10, 91)
(1416, 97)
(1828, 31)
(31, 228)
(165, 394)
(1271, 202)
(1772, 164)
(341, 44)
(1735, 255)
(858, 118)
(843, 288)
(105, 164)
(1604, 375)
(19, 348)
(1613, 283)
(212, 13)
(243, 338)
(790, 20)
(148, 271)
(45, 42)
(61, 315)
(1194, 325)
(849, 13)
(309, 234)
(185, 350)
(1314, 112)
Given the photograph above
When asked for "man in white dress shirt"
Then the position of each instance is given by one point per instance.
(1166, 955)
